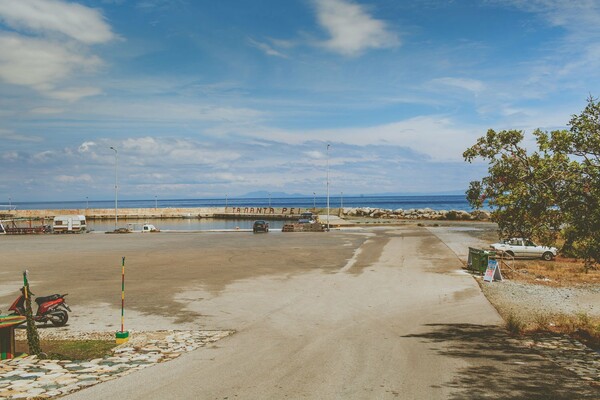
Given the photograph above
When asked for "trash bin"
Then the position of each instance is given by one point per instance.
(478, 259)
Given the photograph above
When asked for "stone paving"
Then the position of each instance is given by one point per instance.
(568, 353)
(30, 377)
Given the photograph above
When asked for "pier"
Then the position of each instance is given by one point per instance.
(147, 213)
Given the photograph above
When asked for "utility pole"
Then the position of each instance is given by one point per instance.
(327, 187)
(116, 186)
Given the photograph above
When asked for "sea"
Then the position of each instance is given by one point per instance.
(435, 202)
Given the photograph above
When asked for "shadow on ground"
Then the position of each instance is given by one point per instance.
(500, 368)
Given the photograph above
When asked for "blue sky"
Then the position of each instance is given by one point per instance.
(207, 98)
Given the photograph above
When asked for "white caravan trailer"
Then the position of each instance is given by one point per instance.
(69, 224)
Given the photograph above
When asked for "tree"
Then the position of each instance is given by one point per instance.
(553, 190)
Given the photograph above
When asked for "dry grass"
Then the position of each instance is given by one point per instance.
(580, 326)
(514, 324)
(562, 272)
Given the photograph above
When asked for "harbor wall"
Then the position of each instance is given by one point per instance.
(141, 213)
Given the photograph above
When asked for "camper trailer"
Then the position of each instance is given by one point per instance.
(69, 224)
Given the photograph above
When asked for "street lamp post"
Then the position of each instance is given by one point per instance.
(327, 187)
(9, 203)
(87, 203)
(314, 201)
(116, 186)
(225, 202)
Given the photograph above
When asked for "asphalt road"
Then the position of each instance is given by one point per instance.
(398, 320)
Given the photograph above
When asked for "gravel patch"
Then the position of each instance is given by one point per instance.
(527, 300)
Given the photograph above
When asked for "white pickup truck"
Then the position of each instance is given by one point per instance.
(525, 248)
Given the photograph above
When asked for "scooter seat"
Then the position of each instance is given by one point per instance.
(41, 300)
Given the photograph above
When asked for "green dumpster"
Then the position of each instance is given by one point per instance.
(478, 259)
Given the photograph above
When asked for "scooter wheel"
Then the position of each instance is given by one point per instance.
(59, 318)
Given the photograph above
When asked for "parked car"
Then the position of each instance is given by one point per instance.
(307, 218)
(525, 248)
(260, 226)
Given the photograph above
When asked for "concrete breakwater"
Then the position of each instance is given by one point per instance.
(153, 213)
(251, 213)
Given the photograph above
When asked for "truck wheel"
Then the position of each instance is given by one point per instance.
(547, 256)
(510, 253)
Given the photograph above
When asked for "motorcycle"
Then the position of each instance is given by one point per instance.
(51, 308)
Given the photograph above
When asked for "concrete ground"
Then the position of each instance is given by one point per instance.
(378, 313)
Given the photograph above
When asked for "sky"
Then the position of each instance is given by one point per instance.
(210, 98)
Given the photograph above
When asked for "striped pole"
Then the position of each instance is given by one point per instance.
(122, 336)
(122, 294)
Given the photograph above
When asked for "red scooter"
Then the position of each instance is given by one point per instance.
(50, 308)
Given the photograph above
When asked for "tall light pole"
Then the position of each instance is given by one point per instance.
(9, 203)
(87, 203)
(314, 201)
(116, 186)
(225, 201)
(327, 187)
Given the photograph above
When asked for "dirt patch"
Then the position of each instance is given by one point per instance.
(88, 267)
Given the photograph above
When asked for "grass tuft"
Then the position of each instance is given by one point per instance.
(514, 324)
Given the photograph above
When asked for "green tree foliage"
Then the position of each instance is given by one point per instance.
(554, 189)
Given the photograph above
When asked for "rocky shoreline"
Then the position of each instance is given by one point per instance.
(417, 213)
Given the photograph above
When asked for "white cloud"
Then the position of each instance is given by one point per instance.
(49, 46)
(472, 85)
(46, 110)
(10, 156)
(6, 134)
(41, 64)
(86, 147)
(266, 48)
(74, 93)
(43, 156)
(83, 24)
(149, 150)
(84, 178)
(436, 137)
(352, 30)
(317, 155)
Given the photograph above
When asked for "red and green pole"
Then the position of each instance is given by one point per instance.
(33, 339)
(122, 336)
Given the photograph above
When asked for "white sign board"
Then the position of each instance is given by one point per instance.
(492, 273)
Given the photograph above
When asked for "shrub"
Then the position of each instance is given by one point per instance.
(514, 324)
